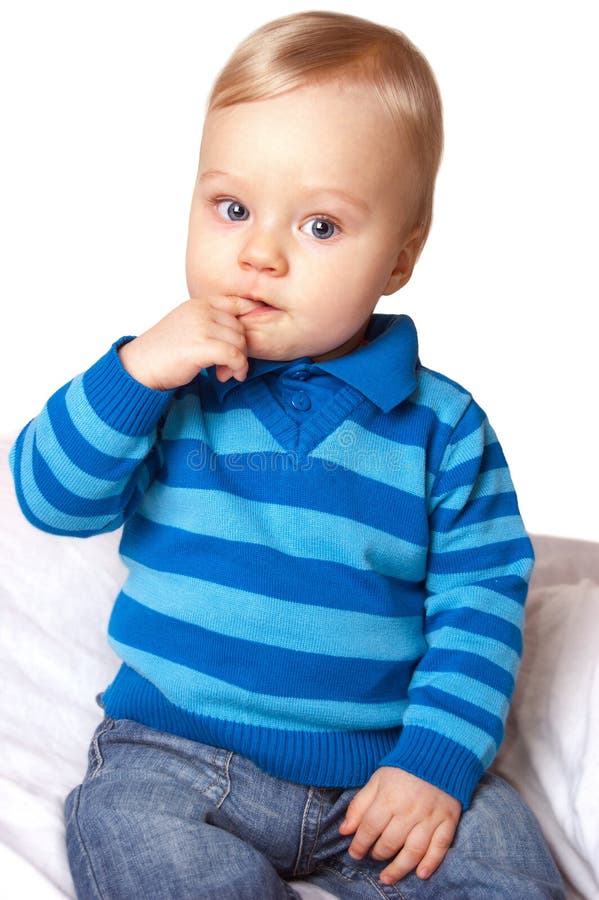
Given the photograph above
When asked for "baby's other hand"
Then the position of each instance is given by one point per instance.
(201, 332)
(396, 811)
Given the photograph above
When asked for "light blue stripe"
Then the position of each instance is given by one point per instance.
(479, 598)
(359, 450)
(490, 650)
(45, 511)
(455, 729)
(70, 476)
(470, 447)
(234, 431)
(488, 531)
(242, 432)
(438, 583)
(185, 419)
(495, 481)
(446, 401)
(463, 687)
(294, 626)
(292, 530)
(97, 433)
(207, 696)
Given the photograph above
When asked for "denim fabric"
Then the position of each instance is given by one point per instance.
(160, 817)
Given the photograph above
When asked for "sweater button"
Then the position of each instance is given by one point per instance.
(301, 401)
(300, 375)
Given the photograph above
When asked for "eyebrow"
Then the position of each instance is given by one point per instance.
(308, 190)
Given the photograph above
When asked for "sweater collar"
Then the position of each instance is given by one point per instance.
(384, 370)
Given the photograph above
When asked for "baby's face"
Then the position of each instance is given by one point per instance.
(301, 202)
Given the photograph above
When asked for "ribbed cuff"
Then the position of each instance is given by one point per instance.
(118, 399)
(438, 760)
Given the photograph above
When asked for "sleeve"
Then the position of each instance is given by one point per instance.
(479, 564)
(83, 464)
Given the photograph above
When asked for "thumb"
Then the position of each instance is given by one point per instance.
(357, 808)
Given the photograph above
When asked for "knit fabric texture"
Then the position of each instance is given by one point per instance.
(324, 597)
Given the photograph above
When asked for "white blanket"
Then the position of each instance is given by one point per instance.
(56, 595)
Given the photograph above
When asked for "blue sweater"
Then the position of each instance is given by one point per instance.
(323, 597)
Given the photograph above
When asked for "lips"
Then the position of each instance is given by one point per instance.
(258, 300)
(261, 306)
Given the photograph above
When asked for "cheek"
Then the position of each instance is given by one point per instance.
(360, 269)
(203, 269)
(368, 283)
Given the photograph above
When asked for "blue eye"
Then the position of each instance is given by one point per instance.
(232, 209)
(322, 229)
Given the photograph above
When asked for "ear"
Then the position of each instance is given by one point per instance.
(402, 271)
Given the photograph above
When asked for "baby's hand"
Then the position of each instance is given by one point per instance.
(198, 333)
(396, 811)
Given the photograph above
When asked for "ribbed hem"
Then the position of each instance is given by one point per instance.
(118, 399)
(321, 758)
(438, 760)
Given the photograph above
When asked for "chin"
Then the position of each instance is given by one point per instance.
(256, 350)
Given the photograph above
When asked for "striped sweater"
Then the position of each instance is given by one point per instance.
(323, 598)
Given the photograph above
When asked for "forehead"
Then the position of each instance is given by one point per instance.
(335, 132)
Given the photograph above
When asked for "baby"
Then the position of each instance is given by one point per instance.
(322, 623)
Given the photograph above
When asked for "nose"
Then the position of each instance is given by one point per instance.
(263, 251)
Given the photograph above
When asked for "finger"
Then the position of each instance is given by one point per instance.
(437, 851)
(369, 830)
(224, 354)
(356, 809)
(227, 333)
(391, 840)
(233, 369)
(223, 373)
(228, 320)
(233, 304)
(412, 852)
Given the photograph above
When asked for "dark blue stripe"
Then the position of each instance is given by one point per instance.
(468, 472)
(80, 452)
(300, 482)
(411, 423)
(492, 458)
(66, 501)
(462, 709)
(470, 664)
(264, 570)
(38, 523)
(471, 421)
(485, 624)
(512, 586)
(483, 509)
(254, 666)
(473, 559)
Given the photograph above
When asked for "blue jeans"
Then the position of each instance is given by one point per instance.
(160, 817)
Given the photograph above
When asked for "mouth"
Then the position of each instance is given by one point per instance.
(260, 307)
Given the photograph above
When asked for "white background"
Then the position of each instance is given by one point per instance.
(101, 114)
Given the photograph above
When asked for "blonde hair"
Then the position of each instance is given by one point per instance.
(308, 47)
